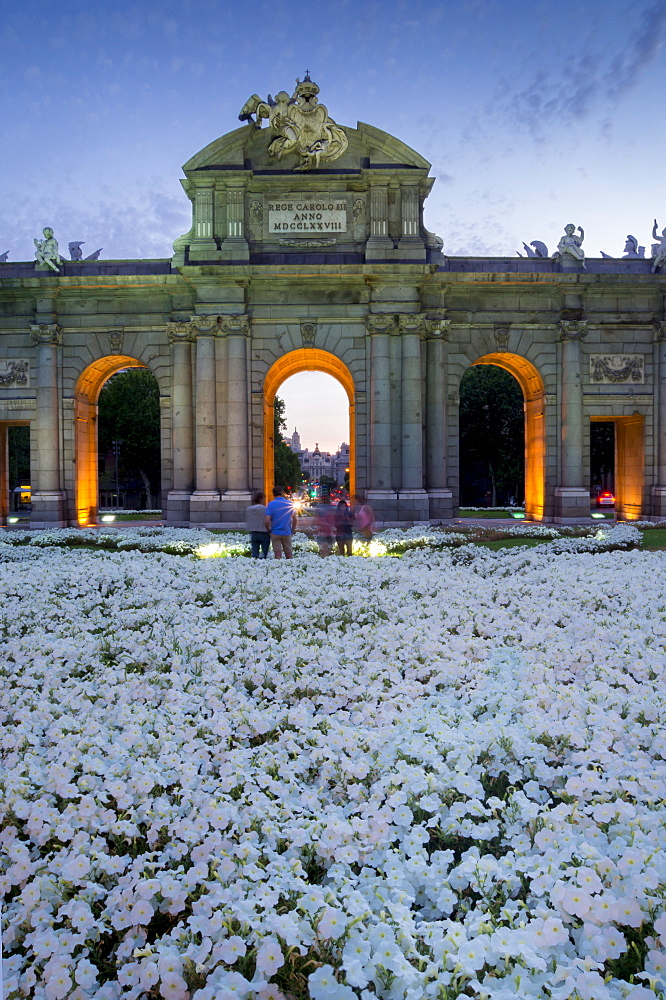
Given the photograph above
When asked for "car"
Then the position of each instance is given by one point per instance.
(606, 499)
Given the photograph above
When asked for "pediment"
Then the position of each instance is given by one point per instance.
(247, 148)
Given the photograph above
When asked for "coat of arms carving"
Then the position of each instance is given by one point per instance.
(301, 125)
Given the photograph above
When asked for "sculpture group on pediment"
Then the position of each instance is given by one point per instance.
(301, 125)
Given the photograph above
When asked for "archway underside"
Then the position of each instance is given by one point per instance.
(534, 393)
(305, 359)
(86, 395)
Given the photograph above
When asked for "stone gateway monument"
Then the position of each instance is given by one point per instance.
(308, 252)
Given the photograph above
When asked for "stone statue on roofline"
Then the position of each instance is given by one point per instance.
(76, 253)
(658, 249)
(4, 257)
(570, 245)
(540, 249)
(46, 250)
(631, 251)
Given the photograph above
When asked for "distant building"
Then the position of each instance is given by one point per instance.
(315, 464)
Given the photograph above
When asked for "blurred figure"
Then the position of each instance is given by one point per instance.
(255, 523)
(325, 526)
(364, 518)
(280, 520)
(343, 528)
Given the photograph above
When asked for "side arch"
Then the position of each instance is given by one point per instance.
(86, 394)
(534, 395)
(305, 359)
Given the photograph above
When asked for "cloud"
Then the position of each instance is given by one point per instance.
(143, 225)
(583, 81)
(639, 53)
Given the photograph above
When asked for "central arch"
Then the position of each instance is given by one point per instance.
(534, 395)
(86, 394)
(305, 359)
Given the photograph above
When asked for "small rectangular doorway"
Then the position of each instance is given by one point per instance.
(617, 462)
(15, 490)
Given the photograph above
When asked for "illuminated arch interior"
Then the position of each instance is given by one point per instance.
(86, 395)
(306, 359)
(534, 394)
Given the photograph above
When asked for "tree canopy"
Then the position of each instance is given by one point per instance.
(492, 437)
(129, 412)
(19, 456)
(287, 467)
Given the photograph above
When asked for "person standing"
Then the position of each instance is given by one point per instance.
(325, 526)
(364, 518)
(254, 522)
(280, 521)
(343, 528)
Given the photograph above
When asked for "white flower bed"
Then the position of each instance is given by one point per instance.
(516, 507)
(203, 543)
(123, 510)
(433, 776)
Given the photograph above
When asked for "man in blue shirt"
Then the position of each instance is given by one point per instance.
(280, 520)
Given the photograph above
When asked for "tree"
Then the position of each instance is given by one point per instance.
(129, 412)
(18, 439)
(327, 483)
(492, 435)
(602, 454)
(287, 467)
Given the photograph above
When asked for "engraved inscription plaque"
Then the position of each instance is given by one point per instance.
(309, 214)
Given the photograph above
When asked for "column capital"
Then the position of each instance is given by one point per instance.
(412, 323)
(376, 323)
(205, 326)
(573, 329)
(237, 325)
(46, 333)
(179, 332)
(436, 328)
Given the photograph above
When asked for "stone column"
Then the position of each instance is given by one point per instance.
(202, 244)
(237, 495)
(572, 497)
(235, 246)
(48, 499)
(204, 503)
(4, 475)
(412, 498)
(222, 404)
(380, 326)
(180, 336)
(439, 494)
(411, 245)
(379, 246)
(659, 489)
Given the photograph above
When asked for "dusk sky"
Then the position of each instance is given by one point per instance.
(533, 113)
